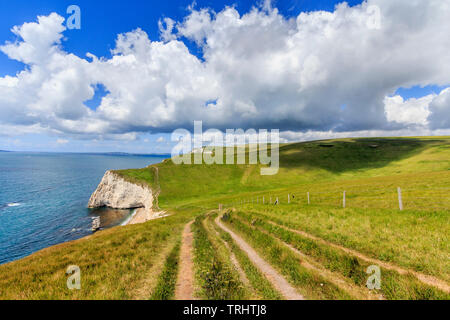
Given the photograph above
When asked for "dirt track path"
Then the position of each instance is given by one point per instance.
(185, 283)
(279, 283)
(427, 279)
(234, 261)
(340, 281)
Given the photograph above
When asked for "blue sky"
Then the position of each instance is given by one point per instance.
(102, 21)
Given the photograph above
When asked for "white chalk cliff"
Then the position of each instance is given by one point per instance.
(115, 192)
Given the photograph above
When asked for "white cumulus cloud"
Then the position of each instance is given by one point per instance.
(258, 69)
(411, 111)
(440, 111)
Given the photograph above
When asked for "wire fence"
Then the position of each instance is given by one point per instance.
(374, 198)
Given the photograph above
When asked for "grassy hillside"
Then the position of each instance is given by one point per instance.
(303, 164)
(115, 263)
(134, 261)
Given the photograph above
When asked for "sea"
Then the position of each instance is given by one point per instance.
(44, 197)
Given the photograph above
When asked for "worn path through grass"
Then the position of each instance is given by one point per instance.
(427, 279)
(289, 292)
(185, 283)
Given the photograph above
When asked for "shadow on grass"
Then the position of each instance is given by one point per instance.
(339, 156)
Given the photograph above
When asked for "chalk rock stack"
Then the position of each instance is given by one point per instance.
(117, 193)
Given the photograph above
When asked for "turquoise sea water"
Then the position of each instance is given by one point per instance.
(43, 198)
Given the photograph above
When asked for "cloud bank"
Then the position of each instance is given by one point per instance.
(329, 73)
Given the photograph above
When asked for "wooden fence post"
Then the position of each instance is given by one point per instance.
(289, 198)
(263, 199)
(308, 198)
(400, 201)
(343, 201)
(277, 202)
(270, 200)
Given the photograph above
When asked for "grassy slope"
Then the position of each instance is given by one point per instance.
(416, 238)
(302, 164)
(115, 271)
(215, 276)
(113, 263)
(395, 286)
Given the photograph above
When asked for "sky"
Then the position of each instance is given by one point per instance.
(137, 70)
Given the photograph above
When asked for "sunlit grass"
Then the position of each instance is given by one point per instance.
(115, 262)
(112, 262)
(395, 285)
(215, 277)
(261, 286)
(413, 239)
(309, 283)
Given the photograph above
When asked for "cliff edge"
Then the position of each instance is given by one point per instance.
(117, 193)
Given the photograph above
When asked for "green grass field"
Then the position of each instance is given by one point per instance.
(141, 261)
